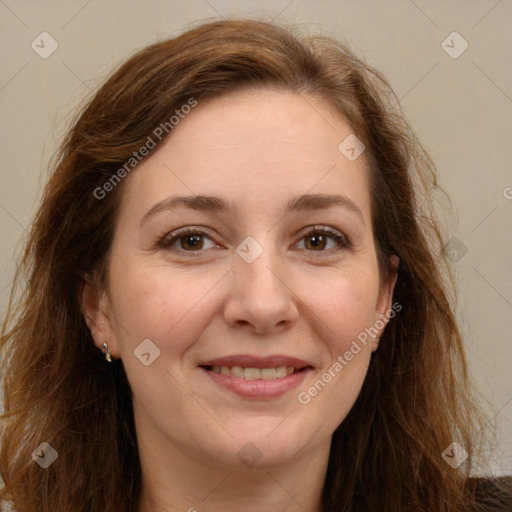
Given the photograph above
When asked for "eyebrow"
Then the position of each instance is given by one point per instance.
(213, 204)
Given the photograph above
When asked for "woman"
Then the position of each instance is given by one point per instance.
(235, 297)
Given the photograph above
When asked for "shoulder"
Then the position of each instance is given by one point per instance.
(492, 494)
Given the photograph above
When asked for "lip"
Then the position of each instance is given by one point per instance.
(249, 361)
(258, 389)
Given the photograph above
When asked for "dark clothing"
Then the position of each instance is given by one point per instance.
(494, 495)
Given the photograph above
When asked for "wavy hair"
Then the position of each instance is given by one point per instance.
(417, 397)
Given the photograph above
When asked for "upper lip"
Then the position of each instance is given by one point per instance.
(248, 361)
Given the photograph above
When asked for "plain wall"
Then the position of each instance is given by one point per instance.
(461, 108)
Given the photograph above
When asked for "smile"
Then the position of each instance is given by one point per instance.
(257, 383)
(254, 373)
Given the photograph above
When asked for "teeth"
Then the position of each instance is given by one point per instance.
(251, 373)
(268, 373)
(237, 371)
(282, 371)
(255, 373)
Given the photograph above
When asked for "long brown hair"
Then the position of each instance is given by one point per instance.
(416, 399)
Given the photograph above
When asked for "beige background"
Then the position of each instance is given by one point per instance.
(461, 109)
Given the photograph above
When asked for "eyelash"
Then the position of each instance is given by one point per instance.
(169, 239)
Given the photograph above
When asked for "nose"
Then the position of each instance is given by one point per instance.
(261, 297)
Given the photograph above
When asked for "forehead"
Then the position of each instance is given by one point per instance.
(281, 122)
(256, 146)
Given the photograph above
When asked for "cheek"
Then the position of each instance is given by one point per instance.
(171, 309)
(345, 307)
(348, 309)
(158, 303)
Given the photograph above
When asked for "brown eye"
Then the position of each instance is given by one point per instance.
(317, 241)
(186, 240)
(191, 242)
(318, 238)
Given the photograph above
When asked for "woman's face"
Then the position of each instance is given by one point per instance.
(249, 281)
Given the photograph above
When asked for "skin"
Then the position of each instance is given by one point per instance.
(257, 148)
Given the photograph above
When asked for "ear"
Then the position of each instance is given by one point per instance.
(97, 311)
(383, 309)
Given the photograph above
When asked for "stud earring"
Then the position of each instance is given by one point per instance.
(107, 353)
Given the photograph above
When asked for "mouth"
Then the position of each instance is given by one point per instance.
(256, 377)
(248, 373)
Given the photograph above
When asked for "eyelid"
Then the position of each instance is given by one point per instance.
(170, 238)
(342, 240)
(319, 229)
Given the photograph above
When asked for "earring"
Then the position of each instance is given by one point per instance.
(107, 354)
